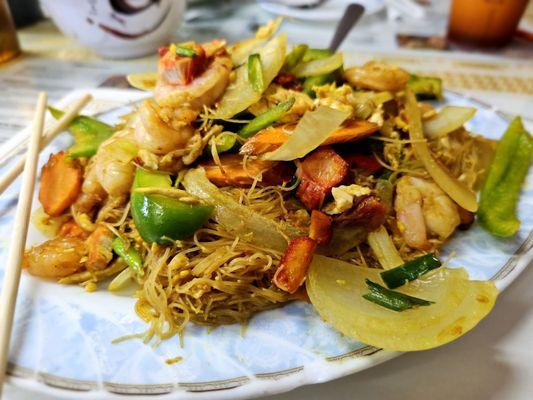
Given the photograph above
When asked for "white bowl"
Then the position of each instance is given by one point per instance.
(117, 28)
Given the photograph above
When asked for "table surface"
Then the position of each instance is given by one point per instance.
(495, 361)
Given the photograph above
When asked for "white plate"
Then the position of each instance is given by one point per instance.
(331, 10)
(62, 335)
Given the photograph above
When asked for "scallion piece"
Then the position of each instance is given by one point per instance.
(225, 142)
(294, 57)
(130, 255)
(266, 119)
(391, 299)
(311, 81)
(185, 51)
(255, 73)
(410, 271)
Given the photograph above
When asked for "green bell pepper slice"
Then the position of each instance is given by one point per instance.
(508, 170)
(88, 133)
(161, 219)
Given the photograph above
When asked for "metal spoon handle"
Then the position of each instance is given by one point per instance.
(351, 15)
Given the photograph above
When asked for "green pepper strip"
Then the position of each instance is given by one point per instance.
(266, 119)
(410, 271)
(88, 133)
(391, 299)
(225, 142)
(508, 170)
(162, 219)
(185, 51)
(130, 255)
(295, 57)
(255, 72)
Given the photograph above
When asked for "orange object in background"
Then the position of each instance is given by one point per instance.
(486, 23)
(9, 45)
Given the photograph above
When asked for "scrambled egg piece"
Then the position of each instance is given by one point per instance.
(343, 198)
(339, 98)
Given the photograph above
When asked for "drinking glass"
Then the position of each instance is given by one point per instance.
(485, 23)
(9, 45)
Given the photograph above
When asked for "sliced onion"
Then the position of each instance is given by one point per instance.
(240, 51)
(312, 130)
(461, 194)
(384, 249)
(142, 80)
(121, 281)
(240, 94)
(447, 120)
(47, 225)
(335, 288)
(318, 67)
(236, 218)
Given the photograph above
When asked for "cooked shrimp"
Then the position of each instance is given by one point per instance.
(92, 192)
(55, 258)
(377, 76)
(152, 133)
(174, 87)
(114, 170)
(100, 248)
(422, 208)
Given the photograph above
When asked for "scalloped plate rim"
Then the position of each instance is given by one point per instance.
(256, 386)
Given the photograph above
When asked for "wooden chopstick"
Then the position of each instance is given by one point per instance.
(8, 178)
(8, 296)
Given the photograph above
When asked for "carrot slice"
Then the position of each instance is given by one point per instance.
(320, 228)
(235, 173)
(271, 138)
(61, 180)
(72, 229)
(100, 248)
(294, 264)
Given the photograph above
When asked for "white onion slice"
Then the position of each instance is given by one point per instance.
(384, 249)
(312, 130)
(447, 120)
(240, 95)
(318, 67)
(236, 218)
(336, 287)
(461, 194)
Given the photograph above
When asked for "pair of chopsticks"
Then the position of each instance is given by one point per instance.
(50, 134)
(28, 165)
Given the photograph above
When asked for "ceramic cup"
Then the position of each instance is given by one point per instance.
(118, 28)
